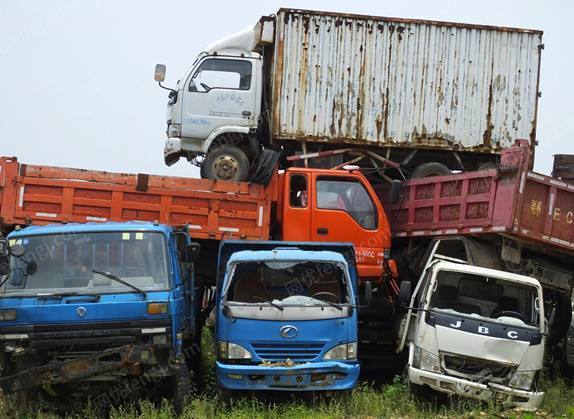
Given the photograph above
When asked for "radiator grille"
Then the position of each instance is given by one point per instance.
(280, 351)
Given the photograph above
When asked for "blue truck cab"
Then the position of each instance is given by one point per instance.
(286, 317)
(86, 306)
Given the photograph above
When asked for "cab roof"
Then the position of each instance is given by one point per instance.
(73, 228)
(287, 254)
(492, 273)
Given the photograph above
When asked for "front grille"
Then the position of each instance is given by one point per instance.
(477, 369)
(82, 338)
(280, 351)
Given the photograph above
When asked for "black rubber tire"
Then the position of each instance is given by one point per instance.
(431, 168)
(486, 166)
(181, 389)
(214, 167)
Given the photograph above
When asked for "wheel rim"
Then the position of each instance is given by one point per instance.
(225, 167)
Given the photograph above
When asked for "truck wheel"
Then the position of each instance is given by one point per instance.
(226, 162)
(430, 169)
(487, 166)
(181, 389)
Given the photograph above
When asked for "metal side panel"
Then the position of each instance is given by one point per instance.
(383, 81)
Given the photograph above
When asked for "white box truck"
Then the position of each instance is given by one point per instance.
(304, 81)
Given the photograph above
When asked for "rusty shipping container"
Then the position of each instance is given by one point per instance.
(404, 83)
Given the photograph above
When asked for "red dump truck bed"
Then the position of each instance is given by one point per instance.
(212, 209)
(512, 201)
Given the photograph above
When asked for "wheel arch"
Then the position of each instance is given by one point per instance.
(219, 132)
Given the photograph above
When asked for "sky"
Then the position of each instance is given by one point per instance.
(77, 85)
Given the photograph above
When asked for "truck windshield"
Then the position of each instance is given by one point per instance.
(491, 299)
(288, 283)
(79, 262)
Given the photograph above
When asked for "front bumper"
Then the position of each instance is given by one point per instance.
(328, 375)
(526, 400)
(172, 151)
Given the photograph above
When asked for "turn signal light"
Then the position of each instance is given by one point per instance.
(157, 308)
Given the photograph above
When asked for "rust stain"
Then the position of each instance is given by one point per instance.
(398, 21)
(361, 93)
(487, 136)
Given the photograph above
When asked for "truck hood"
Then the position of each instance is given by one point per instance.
(496, 342)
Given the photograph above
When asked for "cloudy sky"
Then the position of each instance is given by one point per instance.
(77, 84)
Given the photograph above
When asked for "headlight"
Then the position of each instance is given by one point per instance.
(7, 315)
(345, 351)
(228, 350)
(522, 380)
(174, 130)
(425, 360)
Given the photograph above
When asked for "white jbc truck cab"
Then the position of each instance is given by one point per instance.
(475, 332)
(304, 81)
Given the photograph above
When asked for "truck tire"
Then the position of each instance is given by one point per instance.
(487, 166)
(181, 389)
(430, 169)
(226, 162)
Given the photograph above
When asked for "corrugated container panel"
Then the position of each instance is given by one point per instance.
(358, 79)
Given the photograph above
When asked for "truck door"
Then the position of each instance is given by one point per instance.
(297, 208)
(219, 92)
(343, 210)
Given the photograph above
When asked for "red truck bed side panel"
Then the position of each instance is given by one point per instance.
(213, 210)
(512, 201)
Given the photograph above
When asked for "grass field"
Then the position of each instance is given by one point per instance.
(366, 401)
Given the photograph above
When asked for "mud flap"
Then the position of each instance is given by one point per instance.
(264, 166)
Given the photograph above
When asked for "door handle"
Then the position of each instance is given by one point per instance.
(246, 113)
(322, 231)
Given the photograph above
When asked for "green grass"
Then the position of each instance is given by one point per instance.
(366, 401)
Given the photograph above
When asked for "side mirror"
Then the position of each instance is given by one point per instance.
(405, 293)
(4, 248)
(17, 250)
(159, 75)
(368, 293)
(395, 192)
(192, 252)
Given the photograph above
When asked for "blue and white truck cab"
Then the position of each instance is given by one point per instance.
(475, 332)
(83, 306)
(286, 316)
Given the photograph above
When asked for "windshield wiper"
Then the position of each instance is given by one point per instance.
(60, 295)
(121, 281)
(271, 303)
